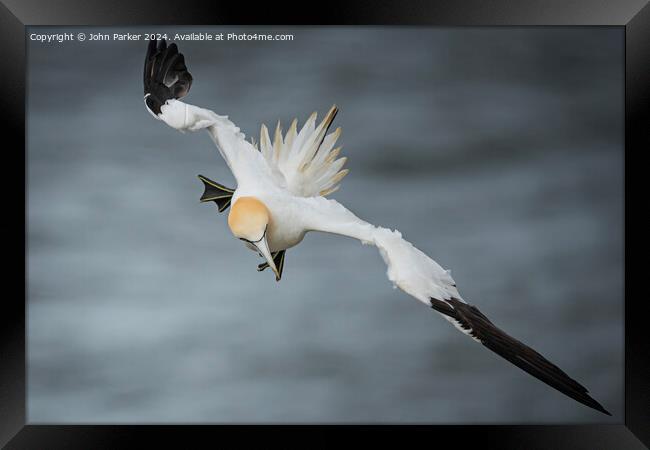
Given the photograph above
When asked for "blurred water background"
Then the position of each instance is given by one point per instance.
(499, 152)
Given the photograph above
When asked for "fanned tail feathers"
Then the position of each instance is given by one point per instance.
(307, 158)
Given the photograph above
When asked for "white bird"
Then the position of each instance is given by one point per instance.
(280, 196)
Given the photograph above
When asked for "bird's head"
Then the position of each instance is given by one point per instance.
(249, 220)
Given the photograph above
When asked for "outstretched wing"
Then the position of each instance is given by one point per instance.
(165, 75)
(421, 277)
(166, 80)
(307, 158)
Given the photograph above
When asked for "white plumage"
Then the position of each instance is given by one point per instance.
(289, 178)
(307, 159)
(281, 183)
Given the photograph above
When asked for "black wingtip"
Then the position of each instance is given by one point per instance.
(595, 405)
(165, 75)
(604, 411)
(586, 400)
(152, 47)
(480, 327)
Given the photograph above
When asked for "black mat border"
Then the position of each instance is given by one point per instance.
(16, 14)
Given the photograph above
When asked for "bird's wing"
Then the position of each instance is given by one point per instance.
(303, 162)
(421, 277)
(166, 80)
(165, 75)
(307, 158)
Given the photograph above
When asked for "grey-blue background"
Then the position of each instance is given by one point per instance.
(497, 151)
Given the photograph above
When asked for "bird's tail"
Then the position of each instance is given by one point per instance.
(307, 158)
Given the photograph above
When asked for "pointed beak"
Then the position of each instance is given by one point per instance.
(263, 248)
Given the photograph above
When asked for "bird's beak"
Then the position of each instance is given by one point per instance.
(263, 248)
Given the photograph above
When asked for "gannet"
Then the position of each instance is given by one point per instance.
(282, 185)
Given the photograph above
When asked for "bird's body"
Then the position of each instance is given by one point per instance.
(293, 215)
(286, 228)
(281, 192)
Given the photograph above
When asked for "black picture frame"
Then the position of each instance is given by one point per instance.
(15, 15)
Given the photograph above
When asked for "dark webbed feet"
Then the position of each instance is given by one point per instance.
(215, 192)
(278, 259)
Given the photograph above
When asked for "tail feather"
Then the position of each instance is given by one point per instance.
(305, 158)
(315, 141)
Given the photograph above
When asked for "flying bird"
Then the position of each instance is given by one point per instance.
(281, 194)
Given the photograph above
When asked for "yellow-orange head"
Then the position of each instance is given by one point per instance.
(248, 219)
